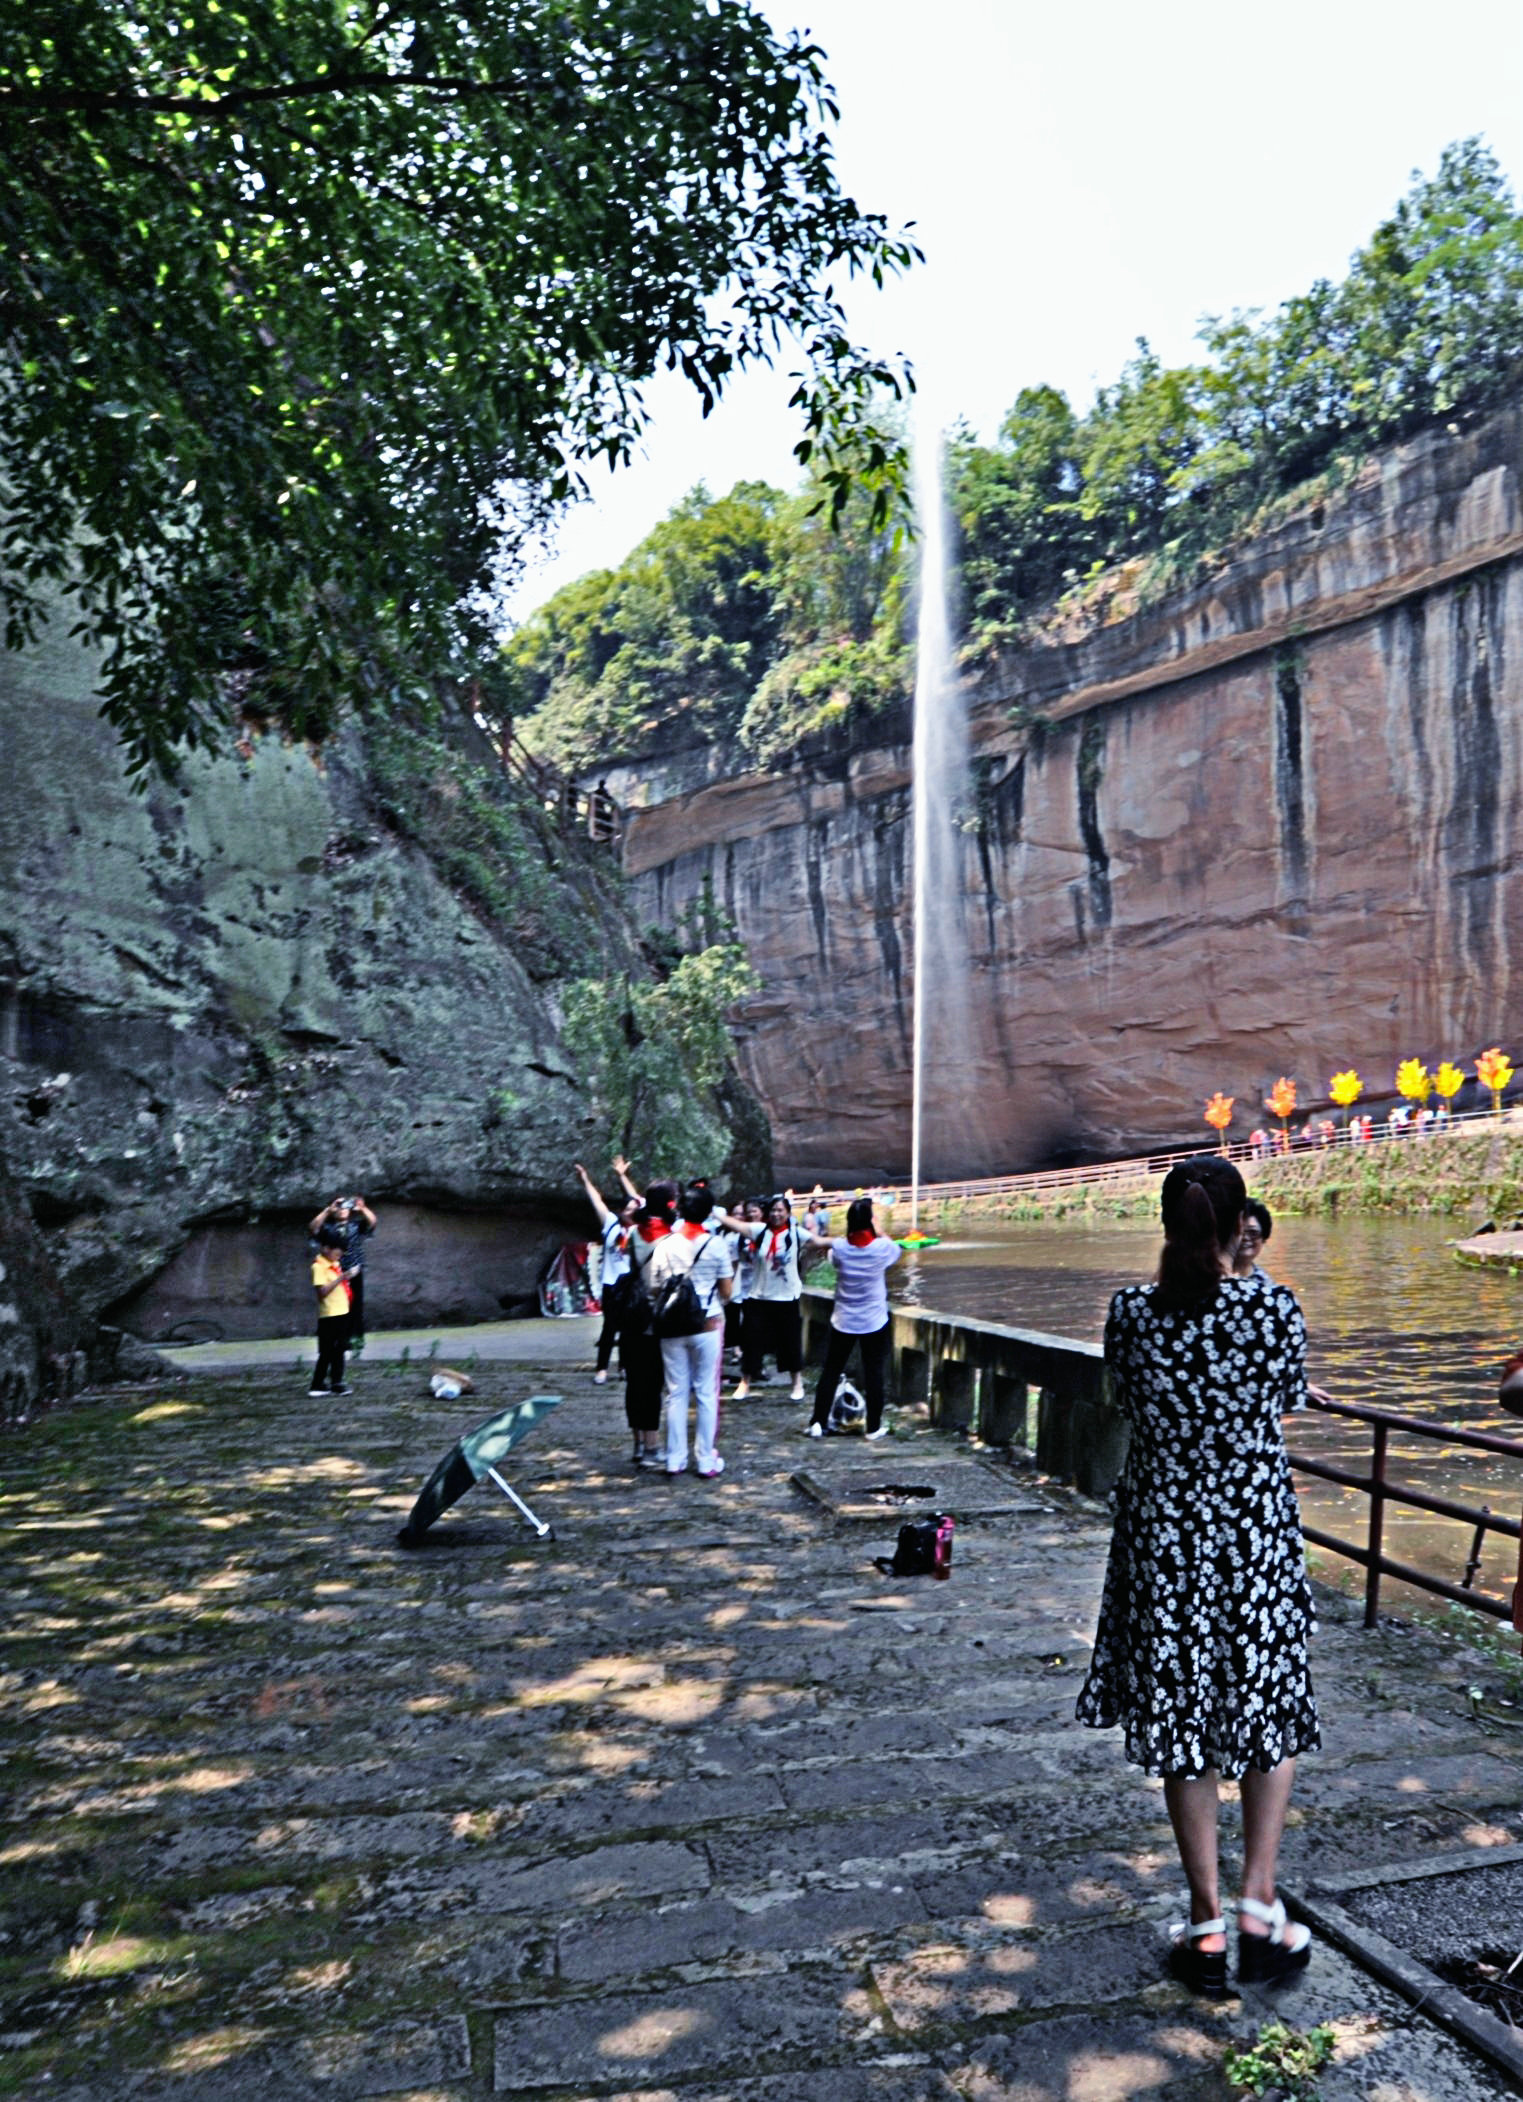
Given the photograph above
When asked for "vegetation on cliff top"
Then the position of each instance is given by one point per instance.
(309, 309)
(742, 622)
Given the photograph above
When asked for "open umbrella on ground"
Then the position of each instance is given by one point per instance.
(476, 1455)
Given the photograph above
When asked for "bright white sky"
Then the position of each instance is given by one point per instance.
(1082, 172)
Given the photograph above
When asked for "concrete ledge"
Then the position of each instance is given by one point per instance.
(1009, 1386)
(1441, 2003)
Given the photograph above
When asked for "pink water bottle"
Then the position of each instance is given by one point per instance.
(946, 1525)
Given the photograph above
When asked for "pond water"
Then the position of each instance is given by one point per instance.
(1394, 1322)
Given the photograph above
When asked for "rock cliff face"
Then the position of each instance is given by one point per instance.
(222, 1003)
(1270, 824)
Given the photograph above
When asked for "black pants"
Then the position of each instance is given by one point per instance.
(332, 1340)
(608, 1335)
(774, 1325)
(838, 1350)
(733, 1309)
(356, 1318)
(644, 1376)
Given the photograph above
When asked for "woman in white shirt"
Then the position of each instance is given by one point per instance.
(772, 1320)
(614, 1230)
(692, 1363)
(863, 1258)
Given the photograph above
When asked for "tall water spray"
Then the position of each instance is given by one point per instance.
(939, 777)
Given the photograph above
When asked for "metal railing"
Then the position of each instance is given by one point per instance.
(1380, 1490)
(590, 813)
(1043, 1181)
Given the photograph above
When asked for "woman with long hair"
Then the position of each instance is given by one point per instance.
(1201, 1650)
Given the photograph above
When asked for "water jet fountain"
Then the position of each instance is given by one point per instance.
(939, 765)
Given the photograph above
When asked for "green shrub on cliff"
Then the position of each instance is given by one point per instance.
(489, 841)
(745, 621)
(650, 1055)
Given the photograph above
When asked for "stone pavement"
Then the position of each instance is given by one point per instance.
(690, 1804)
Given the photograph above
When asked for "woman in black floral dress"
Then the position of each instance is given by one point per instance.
(1200, 1653)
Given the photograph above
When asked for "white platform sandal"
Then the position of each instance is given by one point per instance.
(1204, 1971)
(1263, 1959)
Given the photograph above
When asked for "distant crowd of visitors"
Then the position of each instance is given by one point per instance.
(745, 1266)
(1404, 1121)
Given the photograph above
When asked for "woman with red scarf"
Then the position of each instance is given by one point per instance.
(863, 1259)
(772, 1317)
(639, 1345)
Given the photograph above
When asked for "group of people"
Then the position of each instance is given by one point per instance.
(336, 1238)
(1404, 1121)
(1201, 1651)
(746, 1267)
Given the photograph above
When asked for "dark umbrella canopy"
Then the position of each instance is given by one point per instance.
(470, 1459)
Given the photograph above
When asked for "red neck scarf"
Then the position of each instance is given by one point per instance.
(862, 1237)
(693, 1232)
(653, 1229)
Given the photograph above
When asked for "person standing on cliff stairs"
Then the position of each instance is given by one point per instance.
(355, 1222)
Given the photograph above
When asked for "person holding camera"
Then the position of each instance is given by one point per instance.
(354, 1222)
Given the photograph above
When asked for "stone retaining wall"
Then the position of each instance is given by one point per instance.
(1010, 1386)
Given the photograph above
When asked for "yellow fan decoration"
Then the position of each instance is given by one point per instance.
(1345, 1088)
(1413, 1081)
(1448, 1079)
(1493, 1069)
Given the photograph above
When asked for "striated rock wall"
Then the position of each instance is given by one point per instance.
(222, 1003)
(1269, 824)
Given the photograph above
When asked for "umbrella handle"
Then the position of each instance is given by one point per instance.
(514, 1497)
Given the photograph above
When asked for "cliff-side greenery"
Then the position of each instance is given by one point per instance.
(746, 619)
(650, 1054)
(489, 841)
(741, 618)
(308, 307)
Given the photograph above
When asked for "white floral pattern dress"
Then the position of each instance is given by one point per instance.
(1201, 1650)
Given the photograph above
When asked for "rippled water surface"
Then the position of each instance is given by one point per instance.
(1394, 1321)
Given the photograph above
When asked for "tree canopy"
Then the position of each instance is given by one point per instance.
(1427, 323)
(311, 307)
(768, 632)
(749, 618)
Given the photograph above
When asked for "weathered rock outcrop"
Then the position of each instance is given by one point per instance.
(223, 1002)
(1268, 824)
